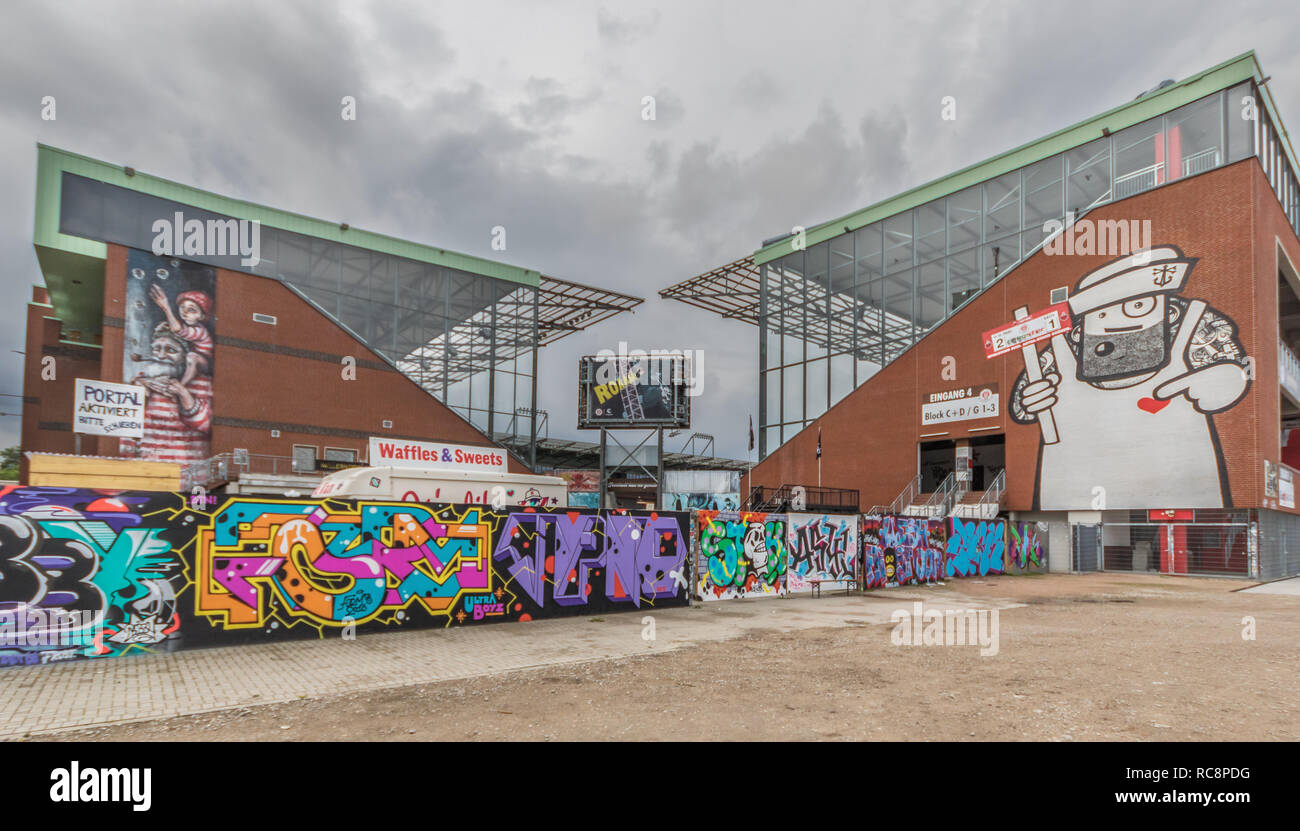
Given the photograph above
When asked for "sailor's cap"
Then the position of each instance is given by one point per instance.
(1150, 271)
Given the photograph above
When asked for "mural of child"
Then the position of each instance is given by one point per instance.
(193, 308)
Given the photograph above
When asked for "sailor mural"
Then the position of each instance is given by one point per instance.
(1131, 390)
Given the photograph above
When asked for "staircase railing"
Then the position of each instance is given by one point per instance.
(906, 497)
(989, 503)
(940, 502)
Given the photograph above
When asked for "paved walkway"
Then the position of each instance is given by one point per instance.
(86, 693)
(1291, 586)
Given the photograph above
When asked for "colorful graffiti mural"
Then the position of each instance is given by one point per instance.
(897, 550)
(90, 574)
(595, 562)
(975, 547)
(876, 573)
(275, 563)
(913, 546)
(821, 547)
(1027, 547)
(740, 555)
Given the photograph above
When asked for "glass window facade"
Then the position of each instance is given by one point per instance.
(835, 314)
(467, 339)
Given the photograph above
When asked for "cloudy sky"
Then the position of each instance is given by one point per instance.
(473, 115)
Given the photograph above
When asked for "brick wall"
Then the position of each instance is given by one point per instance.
(47, 401)
(869, 439)
(286, 376)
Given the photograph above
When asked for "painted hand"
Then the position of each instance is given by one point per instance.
(157, 296)
(1210, 389)
(1040, 395)
(157, 385)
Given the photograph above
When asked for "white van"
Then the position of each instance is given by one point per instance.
(409, 484)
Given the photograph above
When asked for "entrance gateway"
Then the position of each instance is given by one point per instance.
(980, 457)
(1203, 541)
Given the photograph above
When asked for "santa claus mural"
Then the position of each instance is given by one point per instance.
(1132, 390)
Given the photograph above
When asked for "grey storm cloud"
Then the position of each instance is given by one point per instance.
(472, 116)
(623, 29)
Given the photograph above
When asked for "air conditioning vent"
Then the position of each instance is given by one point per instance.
(1060, 295)
(258, 317)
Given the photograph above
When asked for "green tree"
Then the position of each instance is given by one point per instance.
(10, 458)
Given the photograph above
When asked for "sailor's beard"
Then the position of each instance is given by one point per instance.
(154, 368)
(1123, 355)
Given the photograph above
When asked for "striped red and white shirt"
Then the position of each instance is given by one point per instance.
(198, 338)
(173, 436)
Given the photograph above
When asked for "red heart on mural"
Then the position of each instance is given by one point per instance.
(1153, 405)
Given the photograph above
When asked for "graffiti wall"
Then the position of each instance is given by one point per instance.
(897, 550)
(89, 574)
(975, 547)
(1026, 547)
(740, 555)
(84, 574)
(169, 314)
(875, 574)
(822, 547)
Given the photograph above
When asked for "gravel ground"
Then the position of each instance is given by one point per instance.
(1092, 657)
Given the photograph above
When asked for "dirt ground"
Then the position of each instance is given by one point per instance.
(1093, 657)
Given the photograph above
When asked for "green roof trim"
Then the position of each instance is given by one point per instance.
(53, 162)
(1241, 68)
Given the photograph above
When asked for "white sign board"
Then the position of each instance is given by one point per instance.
(961, 405)
(102, 408)
(1286, 487)
(436, 456)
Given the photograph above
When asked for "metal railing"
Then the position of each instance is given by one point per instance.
(1138, 181)
(905, 498)
(225, 467)
(813, 499)
(940, 502)
(1200, 162)
(989, 503)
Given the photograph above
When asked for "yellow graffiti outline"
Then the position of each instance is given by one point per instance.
(206, 551)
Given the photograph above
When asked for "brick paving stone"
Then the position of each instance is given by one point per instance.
(78, 694)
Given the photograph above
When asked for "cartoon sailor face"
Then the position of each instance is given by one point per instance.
(1125, 314)
(1127, 342)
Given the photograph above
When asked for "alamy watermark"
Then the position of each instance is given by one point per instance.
(658, 367)
(946, 627)
(74, 783)
(181, 237)
(1107, 237)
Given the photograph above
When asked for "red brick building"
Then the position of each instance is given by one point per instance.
(1163, 233)
(302, 349)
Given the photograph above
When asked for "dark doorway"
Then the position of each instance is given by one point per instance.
(937, 459)
(988, 458)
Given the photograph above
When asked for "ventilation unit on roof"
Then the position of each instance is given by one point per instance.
(1168, 82)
